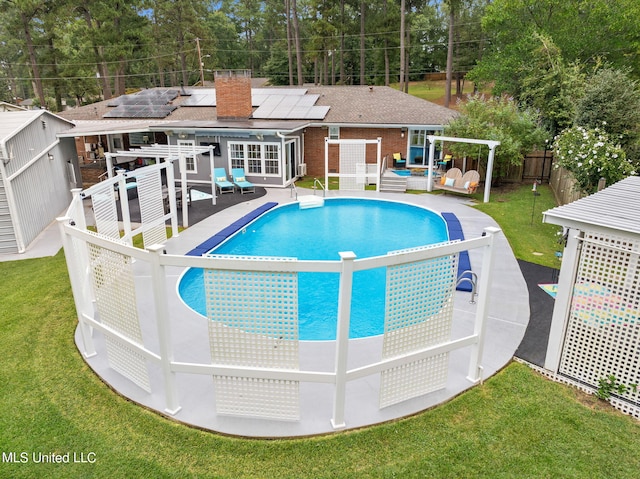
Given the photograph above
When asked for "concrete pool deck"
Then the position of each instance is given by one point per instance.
(506, 325)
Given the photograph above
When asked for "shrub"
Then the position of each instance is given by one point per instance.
(590, 155)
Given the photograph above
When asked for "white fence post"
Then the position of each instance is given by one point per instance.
(79, 278)
(158, 280)
(342, 337)
(475, 368)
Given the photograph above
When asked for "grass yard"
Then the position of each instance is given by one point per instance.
(519, 214)
(517, 424)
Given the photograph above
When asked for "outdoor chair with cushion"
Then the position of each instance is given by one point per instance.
(454, 180)
(237, 175)
(223, 185)
(398, 161)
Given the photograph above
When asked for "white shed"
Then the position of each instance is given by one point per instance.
(37, 170)
(595, 329)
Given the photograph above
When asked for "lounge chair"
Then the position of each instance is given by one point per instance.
(237, 175)
(455, 181)
(398, 161)
(223, 185)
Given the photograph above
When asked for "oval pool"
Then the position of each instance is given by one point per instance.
(366, 227)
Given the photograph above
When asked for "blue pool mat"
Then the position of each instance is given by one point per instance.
(455, 233)
(224, 233)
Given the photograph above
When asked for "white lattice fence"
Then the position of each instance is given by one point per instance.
(603, 331)
(152, 207)
(104, 209)
(253, 322)
(419, 313)
(114, 288)
(352, 162)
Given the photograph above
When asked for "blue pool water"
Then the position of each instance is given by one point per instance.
(366, 227)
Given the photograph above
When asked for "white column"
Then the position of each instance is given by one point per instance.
(562, 305)
(124, 206)
(326, 163)
(160, 295)
(432, 153)
(487, 180)
(378, 165)
(183, 186)
(482, 309)
(171, 192)
(80, 280)
(342, 338)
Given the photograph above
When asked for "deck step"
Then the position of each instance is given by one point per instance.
(310, 201)
(393, 183)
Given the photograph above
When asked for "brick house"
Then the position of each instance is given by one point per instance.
(275, 133)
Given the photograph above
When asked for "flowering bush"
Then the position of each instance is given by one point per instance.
(590, 155)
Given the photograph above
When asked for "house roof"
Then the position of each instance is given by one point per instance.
(613, 209)
(337, 105)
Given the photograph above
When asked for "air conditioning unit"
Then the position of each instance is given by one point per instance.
(302, 169)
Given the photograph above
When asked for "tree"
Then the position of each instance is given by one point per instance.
(611, 102)
(551, 86)
(589, 154)
(497, 118)
(585, 33)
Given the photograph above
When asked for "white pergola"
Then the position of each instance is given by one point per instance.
(169, 153)
(490, 143)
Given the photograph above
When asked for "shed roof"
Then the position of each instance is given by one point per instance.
(614, 209)
(11, 122)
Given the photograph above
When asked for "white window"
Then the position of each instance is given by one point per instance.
(334, 132)
(256, 158)
(188, 146)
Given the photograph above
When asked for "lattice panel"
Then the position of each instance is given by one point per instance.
(152, 207)
(413, 379)
(418, 314)
(128, 362)
(254, 397)
(254, 322)
(105, 212)
(603, 331)
(114, 288)
(351, 156)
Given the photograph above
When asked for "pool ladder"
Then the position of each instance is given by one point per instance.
(473, 280)
(316, 181)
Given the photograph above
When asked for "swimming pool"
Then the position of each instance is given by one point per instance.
(366, 227)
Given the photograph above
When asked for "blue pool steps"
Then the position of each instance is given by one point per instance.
(224, 233)
(464, 264)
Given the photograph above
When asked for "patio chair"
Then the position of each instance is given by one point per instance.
(237, 175)
(223, 185)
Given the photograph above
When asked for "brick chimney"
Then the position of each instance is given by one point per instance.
(233, 94)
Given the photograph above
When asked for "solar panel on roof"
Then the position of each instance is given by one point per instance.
(144, 104)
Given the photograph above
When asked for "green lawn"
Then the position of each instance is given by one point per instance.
(519, 214)
(517, 424)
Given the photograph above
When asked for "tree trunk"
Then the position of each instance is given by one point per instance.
(387, 79)
(402, 65)
(289, 41)
(296, 33)
(37, 80)
(342, 27)
(447, 86)
(362, 56)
